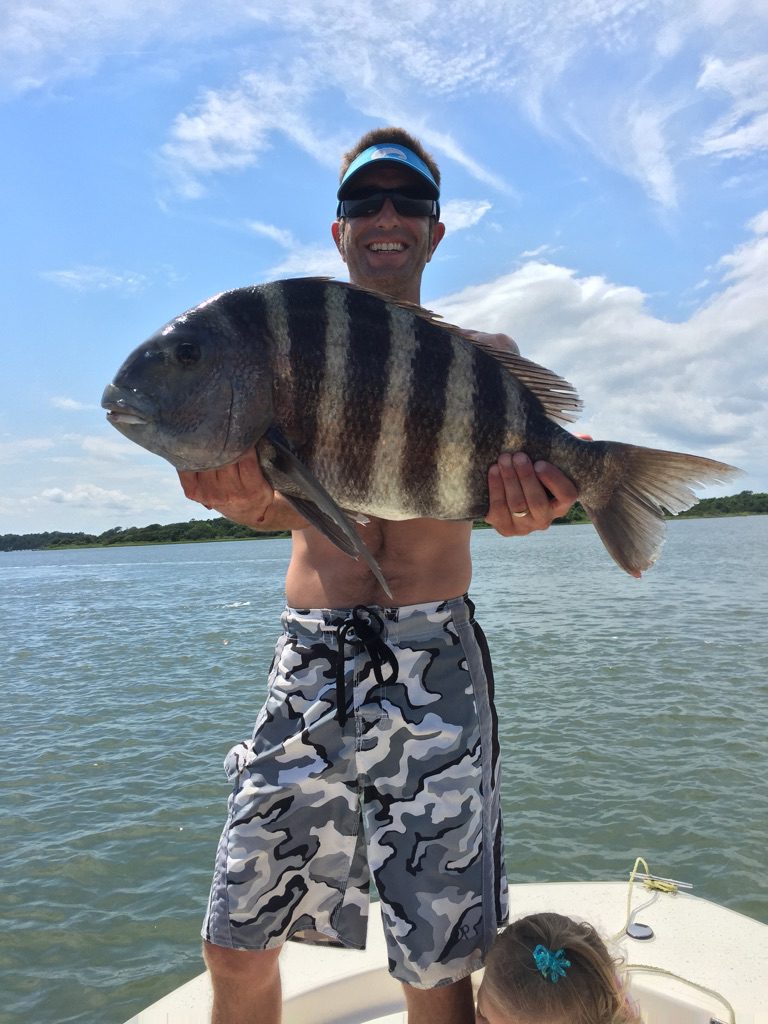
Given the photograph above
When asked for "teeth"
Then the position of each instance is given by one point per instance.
(387, 246)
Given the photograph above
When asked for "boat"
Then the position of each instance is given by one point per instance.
(688, 960)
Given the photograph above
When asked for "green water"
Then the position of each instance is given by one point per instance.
(632, 718)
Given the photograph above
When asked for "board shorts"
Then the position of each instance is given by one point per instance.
(375, 755)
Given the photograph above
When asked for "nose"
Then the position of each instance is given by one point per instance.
(387, 215)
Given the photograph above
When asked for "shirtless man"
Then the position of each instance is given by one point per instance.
(376, 752)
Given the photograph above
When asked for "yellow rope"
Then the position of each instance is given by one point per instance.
(629, 968)
(663, 885)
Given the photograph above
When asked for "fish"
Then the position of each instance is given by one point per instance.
(359, 405)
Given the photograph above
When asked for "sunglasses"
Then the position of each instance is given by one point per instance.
(405, 202)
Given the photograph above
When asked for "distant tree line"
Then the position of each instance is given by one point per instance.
(155, 533)
(747, 503)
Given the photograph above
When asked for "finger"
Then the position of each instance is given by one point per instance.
(189, 484)
(250, 471)
(510, 467)
(504, 498)
(534, 494)
(564, 492)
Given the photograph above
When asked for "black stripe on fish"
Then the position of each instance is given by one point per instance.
(490, 412)
(361, 419)
(425, 410)
(307, 323)
(244, 309)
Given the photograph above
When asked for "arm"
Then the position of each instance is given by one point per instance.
(241, 492)
(517, 485)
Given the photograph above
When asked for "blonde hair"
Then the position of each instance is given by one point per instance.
(590, 992)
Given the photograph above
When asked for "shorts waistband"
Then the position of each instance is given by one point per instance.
(410, 620)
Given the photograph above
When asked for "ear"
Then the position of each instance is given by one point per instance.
(337, 230)
(438, 230)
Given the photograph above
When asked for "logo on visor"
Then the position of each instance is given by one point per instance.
(389, 151)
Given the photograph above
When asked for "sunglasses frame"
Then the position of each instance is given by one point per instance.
(371, 204)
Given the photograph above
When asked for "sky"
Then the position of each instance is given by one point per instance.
(605, 194)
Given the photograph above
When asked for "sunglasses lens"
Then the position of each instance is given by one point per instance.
(408, 206)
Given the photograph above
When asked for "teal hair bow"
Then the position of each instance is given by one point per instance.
(549, 963)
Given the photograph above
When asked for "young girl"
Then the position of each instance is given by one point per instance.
(548, 969)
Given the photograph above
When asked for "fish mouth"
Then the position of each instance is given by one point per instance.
(121, 411)
(126, 417)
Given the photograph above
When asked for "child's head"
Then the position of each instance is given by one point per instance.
(548, 969)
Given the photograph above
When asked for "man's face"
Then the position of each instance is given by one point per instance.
(387, 251)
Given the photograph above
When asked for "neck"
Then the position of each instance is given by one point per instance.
(401, 292)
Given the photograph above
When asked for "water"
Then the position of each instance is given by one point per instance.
(632, 722)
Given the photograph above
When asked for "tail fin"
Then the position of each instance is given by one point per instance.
(649, 482)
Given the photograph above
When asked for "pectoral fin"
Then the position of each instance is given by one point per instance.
(308, 496)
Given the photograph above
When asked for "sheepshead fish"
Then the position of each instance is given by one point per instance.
(359, 404)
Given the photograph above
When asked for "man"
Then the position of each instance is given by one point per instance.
(376, 752)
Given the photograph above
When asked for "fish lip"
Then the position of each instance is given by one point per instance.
(121, 409)
(127, 417)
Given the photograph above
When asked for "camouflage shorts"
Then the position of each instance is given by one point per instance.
(406, 790)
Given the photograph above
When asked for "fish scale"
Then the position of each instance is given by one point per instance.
(356, 403)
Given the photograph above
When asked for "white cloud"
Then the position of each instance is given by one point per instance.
(650, 159)
(759, 224)
(551, 61)
(89, 279)
(71, 404)
(744, 129)
(19, 449)
(86, 495)
(283, 238)
(458, 214)
(309, 261)
(51, 41)
(690, 385)
(300, 260)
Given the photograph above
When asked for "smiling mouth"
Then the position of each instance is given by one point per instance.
(387, 247)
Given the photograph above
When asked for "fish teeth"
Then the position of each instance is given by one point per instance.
(387, 246)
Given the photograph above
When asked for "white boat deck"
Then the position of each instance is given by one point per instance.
(716, 948)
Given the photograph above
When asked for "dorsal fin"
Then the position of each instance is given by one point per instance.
(559, 398)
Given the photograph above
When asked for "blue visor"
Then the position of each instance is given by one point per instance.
(390, 153)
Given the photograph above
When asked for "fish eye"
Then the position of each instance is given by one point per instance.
(187, 353)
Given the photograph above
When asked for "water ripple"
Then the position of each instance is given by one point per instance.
(631, 722)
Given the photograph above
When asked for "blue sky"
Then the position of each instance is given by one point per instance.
(604, 190)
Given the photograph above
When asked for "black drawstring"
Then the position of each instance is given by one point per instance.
(366, 628)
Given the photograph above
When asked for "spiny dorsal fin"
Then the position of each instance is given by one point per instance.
(559, 398)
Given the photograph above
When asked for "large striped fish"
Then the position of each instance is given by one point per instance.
(360, 404)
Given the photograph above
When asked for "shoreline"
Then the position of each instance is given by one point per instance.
(285, 534)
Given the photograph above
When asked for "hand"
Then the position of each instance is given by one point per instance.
(516, 485)
(239, 491)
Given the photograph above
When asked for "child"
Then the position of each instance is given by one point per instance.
(548, 969)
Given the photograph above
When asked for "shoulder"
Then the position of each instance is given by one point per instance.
(500, 342)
